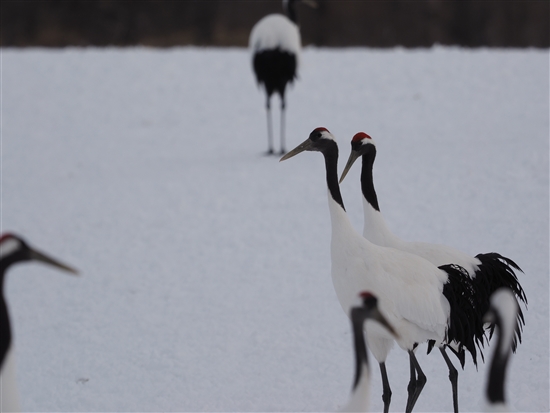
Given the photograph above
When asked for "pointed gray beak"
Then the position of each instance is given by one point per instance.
(304, 146)
(376, 315)
(38, 256)
(352, 158)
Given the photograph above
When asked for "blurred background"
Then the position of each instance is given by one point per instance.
(227, 23)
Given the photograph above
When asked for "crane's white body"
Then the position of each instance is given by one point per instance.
(9, 395)
(275, 31)
(409, 287)
(376, 231)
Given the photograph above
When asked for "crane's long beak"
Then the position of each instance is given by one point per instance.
(376, 315)
(38, 256)
(352, 158)
(304, 146)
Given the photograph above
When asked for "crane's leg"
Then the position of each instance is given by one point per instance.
(411, 387)
(386, 393)
(453, 376)
(283, 106)
(269, 126)
(417, 384)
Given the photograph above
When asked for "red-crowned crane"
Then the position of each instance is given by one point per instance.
(13, 250)
(488, 272)
(421, 301)
(367, 310)
(275, 45)
(503, 312)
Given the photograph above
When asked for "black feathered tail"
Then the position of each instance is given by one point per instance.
(496, 271)
(465, 321)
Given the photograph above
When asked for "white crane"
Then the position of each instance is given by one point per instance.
(421, 301)
(367, 310)
(13, 250)
(488, 271)
(503, 313)
(275, 45)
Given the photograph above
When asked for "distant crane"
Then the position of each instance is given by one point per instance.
(368, 310)
(421, 301)
(275, 45)
(13, 250)
(503, 313)
(488, 272)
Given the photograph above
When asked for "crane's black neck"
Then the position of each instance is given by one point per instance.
(290, 10)
(497, 372)
(367, 181)
(4, 264)
(5, 328)
(330, 153)
(361, 358)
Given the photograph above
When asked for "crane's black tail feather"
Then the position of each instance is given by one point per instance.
(494, 272)
(465, 326)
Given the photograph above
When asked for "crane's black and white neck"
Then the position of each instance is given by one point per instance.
(275, 44)
(14, 249)
(502, 313)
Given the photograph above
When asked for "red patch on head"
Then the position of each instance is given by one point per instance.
(6, 236)
(320, 129)
(366, 294)
(360, 136)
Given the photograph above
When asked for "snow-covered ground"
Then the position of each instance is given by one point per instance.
(205, 268)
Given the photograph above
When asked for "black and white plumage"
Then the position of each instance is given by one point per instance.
(421, 301)
(502, 313)
(488, 272)
(367, 310)
(275, 44)
(14, 249)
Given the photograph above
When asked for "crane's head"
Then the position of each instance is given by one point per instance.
(368, 310)
(361, 144)
(14, 249)
(320, 139)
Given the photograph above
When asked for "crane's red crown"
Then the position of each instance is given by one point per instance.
(366, 294)
(360, 136)
(321, 129)
(6, 236)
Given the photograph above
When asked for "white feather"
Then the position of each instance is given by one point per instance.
(275, 31)
(409, 287)
(376, 231)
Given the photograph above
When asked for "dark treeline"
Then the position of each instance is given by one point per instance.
(334, 23)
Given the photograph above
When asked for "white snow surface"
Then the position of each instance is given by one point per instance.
(205, 265)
